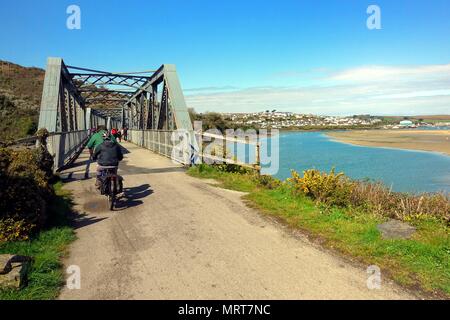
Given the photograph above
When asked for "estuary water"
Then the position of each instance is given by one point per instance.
(403, 170)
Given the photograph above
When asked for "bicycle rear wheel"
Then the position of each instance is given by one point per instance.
(111, 201)
(112, 193)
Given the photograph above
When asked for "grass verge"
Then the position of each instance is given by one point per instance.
(422, 262)
(48, 247)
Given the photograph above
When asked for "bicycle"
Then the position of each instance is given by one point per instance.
(111, 185)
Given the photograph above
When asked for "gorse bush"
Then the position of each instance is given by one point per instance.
(11, 230)
(339, 190)
(25, 192)
(329, 188)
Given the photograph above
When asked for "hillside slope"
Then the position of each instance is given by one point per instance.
(20, 96)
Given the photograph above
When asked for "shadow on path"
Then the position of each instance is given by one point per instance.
(130, 170)
(80, 220)
(80, 174)
(132, 196)
(124, 150)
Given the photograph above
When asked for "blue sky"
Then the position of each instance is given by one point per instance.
(302, 56)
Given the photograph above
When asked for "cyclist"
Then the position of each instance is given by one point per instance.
(116, 134)
(125, 133)
(107, 154)
(97, 138)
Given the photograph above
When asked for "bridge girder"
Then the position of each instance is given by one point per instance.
(159, 104)
(135, 100)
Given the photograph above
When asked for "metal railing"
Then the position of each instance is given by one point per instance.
(23, 141)
(63, 146)
(225, 156)
(160, 141)
(66, 146)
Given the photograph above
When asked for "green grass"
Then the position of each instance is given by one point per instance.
(420, 262)
(47, 248)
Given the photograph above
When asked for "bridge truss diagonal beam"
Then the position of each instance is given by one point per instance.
(136, 100)
(159, 104)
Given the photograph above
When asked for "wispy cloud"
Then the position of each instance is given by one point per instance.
(371, 89)
(397, 74)
(211, 89)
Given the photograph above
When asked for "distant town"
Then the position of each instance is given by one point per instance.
(289, 120)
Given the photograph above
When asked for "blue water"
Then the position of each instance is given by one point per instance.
(408, 171)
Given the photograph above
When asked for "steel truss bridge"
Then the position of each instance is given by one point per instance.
(151, 104)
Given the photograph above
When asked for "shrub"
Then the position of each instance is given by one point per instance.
(266, 181)
(12, 230)
(233, 168)
(329, 188)
(374, 197)
(25, 192)
(204, 168)
(403, 206)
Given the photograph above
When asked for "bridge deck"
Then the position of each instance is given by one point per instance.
(178, 237)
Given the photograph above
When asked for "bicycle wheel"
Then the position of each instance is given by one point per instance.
(112, 194)
(111, 202)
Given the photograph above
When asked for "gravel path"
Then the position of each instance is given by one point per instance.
(178, 237)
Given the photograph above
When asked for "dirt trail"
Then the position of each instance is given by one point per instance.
(178, 237)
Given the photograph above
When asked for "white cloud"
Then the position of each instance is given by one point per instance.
(373, 89)
(384, 73)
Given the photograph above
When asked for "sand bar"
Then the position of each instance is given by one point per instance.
(425, 140)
